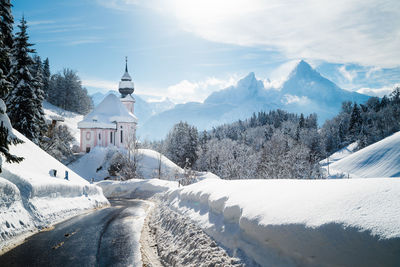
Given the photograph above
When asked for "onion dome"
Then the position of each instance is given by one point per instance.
(126, 86)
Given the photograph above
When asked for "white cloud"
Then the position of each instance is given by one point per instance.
(380, 92)
(104, 85)
(348, 74)
(292, 99)
(357, 31)
(182, 92)
(186, 91)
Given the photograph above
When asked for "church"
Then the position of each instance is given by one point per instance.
(113, 121)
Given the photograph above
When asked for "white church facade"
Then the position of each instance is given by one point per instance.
(112, 122)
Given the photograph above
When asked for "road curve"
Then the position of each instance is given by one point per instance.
(106, 237)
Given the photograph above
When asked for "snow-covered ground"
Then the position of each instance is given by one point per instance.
(95, 164)
(343, 222)
(71, 119)
(381, 159)
(32, 198)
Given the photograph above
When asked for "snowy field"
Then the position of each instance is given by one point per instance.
(31, 198)
(381, 159)
(95, 164)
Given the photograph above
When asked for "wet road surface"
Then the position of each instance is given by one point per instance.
(104, 237)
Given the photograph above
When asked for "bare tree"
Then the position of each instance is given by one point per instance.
(134, 157)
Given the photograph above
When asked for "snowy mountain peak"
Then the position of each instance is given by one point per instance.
(247, 81)
(304, 70)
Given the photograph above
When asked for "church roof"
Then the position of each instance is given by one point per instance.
(107, 113)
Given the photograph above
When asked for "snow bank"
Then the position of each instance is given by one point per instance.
(298, 222)
(381, 159)
(95, 164)
(32, 198)
(136, 188)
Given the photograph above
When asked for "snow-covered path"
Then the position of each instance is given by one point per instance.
(102, 238)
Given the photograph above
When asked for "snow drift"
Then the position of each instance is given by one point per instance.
(298, 222)
(31, 197)
(381, 159)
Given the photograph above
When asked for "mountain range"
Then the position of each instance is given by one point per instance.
(304, 91)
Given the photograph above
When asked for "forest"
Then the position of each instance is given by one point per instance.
(278, 144)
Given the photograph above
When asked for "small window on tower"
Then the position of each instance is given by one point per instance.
(111, 138)
(121, 137)
(99, 136)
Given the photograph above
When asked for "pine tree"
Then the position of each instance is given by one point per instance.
(6, 41)
(22, 103)
(6, 44)
(46, 77)
(355, 122)
(181, 144)
(37, 73)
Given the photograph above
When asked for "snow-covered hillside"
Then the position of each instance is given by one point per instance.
(71, 119)
(31, 197)
(95, 164)
(381, 159)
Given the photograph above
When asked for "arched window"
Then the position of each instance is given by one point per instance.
(121, 136)
(111, 138)
(99, 136)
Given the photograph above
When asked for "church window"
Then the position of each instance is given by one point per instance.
(99, 136)
(111, 138)
(88, 135)
(121, 136)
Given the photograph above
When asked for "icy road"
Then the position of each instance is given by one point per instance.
(107, 237)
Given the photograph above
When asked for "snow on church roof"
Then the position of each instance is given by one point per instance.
(109, 111)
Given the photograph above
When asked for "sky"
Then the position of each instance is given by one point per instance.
(186, 49)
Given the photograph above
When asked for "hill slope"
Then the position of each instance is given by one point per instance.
(381, 159)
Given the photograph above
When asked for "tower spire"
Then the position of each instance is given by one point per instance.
(126, 64)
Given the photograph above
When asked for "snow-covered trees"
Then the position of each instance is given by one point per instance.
(58, 142)
(6, 42)
(181, 144)
(7, 137)
(24, 101)
(66, 91)
(46, 76)
(364, 123)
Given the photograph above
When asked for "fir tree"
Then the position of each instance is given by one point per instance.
(6, 44)
(22, 103)
(355, 122)
(37, 73)
(46, 77)
(6, 41)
